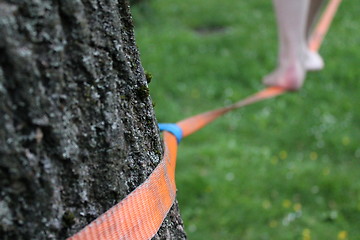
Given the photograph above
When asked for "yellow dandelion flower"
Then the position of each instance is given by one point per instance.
(283, 155)
(208, 189)
(297, 207)
(286, 203)
(326, 171)
(345, 140)
(273, 223)
(306, 234)
(266, 204)
(313, 156)
(274, 160)
(342, 235)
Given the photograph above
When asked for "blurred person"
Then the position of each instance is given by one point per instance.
(294, 19)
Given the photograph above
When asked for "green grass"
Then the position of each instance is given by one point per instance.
(285, 168)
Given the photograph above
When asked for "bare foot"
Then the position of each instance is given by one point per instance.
(290, 76)
(313, 61)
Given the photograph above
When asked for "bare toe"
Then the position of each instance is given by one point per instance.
(272, 79)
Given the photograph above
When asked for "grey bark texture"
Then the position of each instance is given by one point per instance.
(77, 127)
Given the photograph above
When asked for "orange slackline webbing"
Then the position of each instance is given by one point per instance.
(141, 213)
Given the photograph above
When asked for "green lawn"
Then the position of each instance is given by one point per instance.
(285, 168)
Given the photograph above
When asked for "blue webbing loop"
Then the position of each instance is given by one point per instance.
(173, 129)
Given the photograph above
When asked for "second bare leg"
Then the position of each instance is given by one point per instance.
(314, 61)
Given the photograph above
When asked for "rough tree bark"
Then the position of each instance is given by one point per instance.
(77, 127)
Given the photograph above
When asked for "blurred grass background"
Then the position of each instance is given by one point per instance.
(285, 168)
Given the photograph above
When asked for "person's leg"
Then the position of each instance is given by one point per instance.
(313, 61)
(291, 18)
(315, 6)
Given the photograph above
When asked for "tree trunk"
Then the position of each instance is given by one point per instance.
(77, 127)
